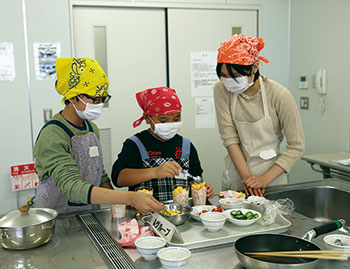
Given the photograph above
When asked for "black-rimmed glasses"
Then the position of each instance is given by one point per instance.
(98, 99)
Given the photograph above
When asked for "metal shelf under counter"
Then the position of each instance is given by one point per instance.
(328, 165)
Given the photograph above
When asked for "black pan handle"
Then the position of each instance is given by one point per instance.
(323, 229)
(329, 227)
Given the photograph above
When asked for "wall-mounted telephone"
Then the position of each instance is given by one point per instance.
(321, 87)
(321, 81)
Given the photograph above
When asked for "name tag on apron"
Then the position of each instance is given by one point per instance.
(93, 151)
(267, 154)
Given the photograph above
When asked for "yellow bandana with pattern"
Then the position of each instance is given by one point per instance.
(80, 76)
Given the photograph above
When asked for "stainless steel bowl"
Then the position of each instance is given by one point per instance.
(27, 230)
(180, 218)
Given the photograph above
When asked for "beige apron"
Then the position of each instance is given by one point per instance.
(259, 144)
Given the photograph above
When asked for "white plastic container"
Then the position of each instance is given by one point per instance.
(118, 210)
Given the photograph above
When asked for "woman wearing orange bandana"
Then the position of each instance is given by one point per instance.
(254, 114)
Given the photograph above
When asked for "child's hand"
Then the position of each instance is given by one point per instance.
(145, 203)
(210, 191)
(168, 169)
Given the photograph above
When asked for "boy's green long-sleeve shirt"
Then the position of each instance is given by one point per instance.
(53, 158)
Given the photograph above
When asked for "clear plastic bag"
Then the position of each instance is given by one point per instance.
(285, 206)
(273, 208)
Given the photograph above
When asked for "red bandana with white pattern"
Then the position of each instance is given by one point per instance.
(157, 101)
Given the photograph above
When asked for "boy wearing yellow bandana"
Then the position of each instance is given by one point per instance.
(68, 155)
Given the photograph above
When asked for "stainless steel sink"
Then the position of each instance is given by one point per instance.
(323, 203)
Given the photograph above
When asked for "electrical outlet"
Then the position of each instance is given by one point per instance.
(304, 102)
(47, 114)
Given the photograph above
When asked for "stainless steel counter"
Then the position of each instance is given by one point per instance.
(71, 248)
(68, 248)
(328, 164)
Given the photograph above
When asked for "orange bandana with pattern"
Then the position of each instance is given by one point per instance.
(241, 49)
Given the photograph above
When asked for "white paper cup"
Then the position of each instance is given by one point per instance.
(118, 210)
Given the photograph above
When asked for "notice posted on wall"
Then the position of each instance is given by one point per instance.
(7, 62)
(45, 55)
(23, 177)
(203, 73)
(205, 112)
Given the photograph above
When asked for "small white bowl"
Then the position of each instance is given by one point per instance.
(241, 222)
(228, 203)
(198, 209)
(331, 242)
(213, 221)
(148, 246)
(256, 200)
(174, 257)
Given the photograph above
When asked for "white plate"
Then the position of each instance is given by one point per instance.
(241, 222)
(256, 200)
(228, 203)
(199, 208)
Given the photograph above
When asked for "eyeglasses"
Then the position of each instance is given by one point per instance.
(99, 99)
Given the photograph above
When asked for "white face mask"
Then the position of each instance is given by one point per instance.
(166, 130)
(91, 112)
(237, 86)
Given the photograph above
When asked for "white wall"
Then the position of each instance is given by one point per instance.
(49, 21)
(274, 29)
(317, 43)
(15, 137)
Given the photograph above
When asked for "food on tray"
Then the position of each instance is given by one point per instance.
(145, 190)
(180, 195)
(199, 193)
(171, 212)
(237, 214)
(231, 202)
(231, 194)
(216, 209)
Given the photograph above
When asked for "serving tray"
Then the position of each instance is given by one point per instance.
(195, 236)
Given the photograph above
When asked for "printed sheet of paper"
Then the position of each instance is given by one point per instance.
(45, 55)
(205, 112)
(7, 62)
(203, 73)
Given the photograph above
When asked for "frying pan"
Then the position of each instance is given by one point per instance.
(279, 242)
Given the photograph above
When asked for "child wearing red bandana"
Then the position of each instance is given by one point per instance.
(154, 157)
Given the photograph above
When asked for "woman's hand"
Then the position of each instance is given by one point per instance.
(254, 192)
(210, 191)
(254, 185)
(145, 203)
(254, 182)
(168, 169)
